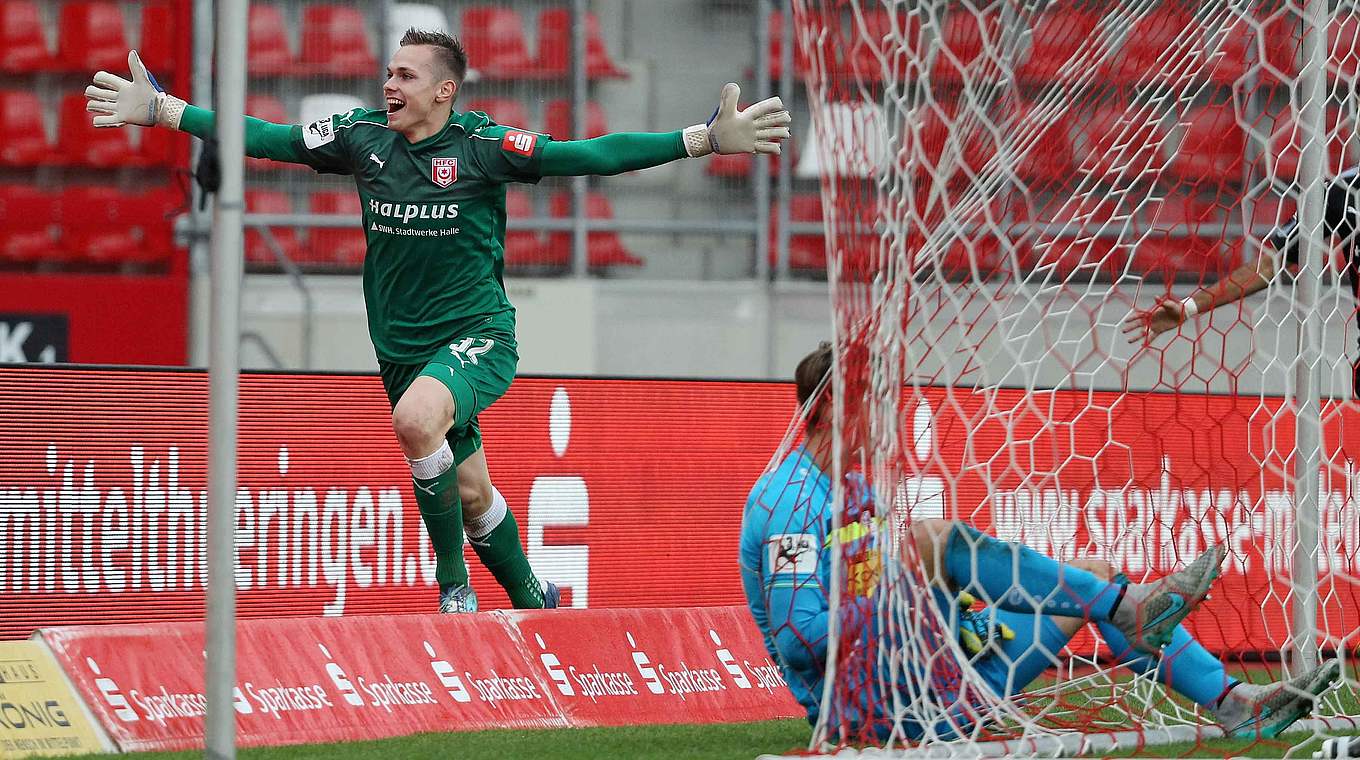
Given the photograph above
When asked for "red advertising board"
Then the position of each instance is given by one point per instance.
(630, 667)
(625, 493)
(367, 677)
(94, 318)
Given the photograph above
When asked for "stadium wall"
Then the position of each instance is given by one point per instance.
(748, 330)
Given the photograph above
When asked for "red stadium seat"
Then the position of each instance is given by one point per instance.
(1120, 144)
(1080, 238)
(335, 41)
(554, 47)
(603, 249)
(524, 248)
(963, 35)
(1285, 140)
(257, 250)
(90, 37)
(23, 46)
(807, 252)
(880, 42)
(29, 225)
(268, 51)
(160, 34)
(1282, 43)
(268, 108)
(80, 143)
(271, 109)
(333, 245)
(23, 132)
(1056, 39)
(800, 61)
(494, 39)
(558, 120)
(107, 226)
(163, 147)
(1213, 148)
(1265, 41)
(1144, 57)
(507, 111)
(1343, 38)
(1045, 148)
(1188, 239)
(740, 165)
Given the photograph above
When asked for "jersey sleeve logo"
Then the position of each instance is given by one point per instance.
(792, 553)
(444, 171)
(521, 143)
(318, 133)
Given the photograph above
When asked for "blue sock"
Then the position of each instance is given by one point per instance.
(1185, 665)
(1017, 578)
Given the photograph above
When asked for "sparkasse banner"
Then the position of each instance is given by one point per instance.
(367, 677)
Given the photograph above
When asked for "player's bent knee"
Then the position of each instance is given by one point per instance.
(1097, 567)
(420, 423)
(476, 497)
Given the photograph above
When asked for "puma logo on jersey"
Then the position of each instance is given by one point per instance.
(519, 142)
(374, 158)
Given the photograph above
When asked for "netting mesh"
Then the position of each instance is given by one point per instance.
(1005, 182)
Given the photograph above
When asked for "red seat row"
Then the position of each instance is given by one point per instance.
(1208, 145)
(86, 225)
(1180, 236)
(557, 116)
(1266, 45)
(335, 42)
(345, 247)
(24, 137)
(90, 36)
(494, 38)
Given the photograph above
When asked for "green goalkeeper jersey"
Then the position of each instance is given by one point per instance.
(434, 211)
(434, 216)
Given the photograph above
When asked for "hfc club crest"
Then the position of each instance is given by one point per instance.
(444, 171)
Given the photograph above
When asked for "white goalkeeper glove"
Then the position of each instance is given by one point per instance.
(758, 129)
(117, 102)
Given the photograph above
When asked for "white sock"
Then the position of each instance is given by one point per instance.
(483, 524)
(434, 465)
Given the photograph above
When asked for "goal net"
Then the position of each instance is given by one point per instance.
(1004, 183)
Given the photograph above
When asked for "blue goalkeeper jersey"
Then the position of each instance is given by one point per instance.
(785, 571)
(786, 575)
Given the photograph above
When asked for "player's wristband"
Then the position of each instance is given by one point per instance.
(1189, 308)
(697, 141)
(169, 110)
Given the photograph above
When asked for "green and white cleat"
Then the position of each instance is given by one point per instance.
(1265, 710)
(1150, 612)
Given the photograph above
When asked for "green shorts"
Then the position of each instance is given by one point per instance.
(476, 366)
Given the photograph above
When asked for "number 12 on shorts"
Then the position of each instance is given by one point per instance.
(466, 353)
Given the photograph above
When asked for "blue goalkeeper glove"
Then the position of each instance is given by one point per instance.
(116, 101)
(976, 628)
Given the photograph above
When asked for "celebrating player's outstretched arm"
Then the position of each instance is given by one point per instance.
(442, 326)
(759, 128)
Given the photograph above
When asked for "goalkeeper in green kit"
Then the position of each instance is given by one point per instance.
(432, 181)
